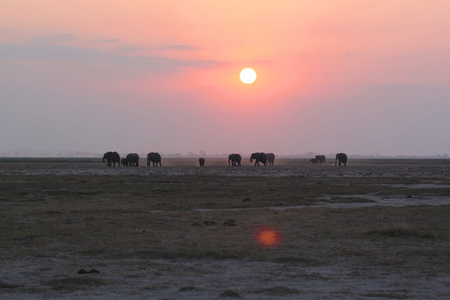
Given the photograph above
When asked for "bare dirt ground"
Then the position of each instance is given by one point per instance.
(376, 229)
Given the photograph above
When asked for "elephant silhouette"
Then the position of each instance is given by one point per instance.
(259, 157)
(201, 161)
(341, 158)
(111, 158)
(234, 160)
(320, 158)
(314, 160)
(124, 162)
(270, 158)
(133, 159)
(155, 158)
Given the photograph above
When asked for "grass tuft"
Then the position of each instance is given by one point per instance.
(230, 294)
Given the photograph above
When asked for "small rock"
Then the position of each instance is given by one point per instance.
(229, 223)
(82, 271)
(246, 200)
(209, 223)
(94, 271)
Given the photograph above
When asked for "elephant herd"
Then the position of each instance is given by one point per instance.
(234, 160)
(264, 158)
(341, 159)
(131, 160)
(319, 159)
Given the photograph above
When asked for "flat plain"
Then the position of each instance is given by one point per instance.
(375, 229)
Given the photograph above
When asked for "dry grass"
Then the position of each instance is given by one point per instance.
(160, 216)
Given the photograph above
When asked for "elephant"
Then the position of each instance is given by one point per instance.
(320, 158)
(314, 160)
(234, 160)
(111, 158)
(270, 158)
(201, 161)
(341, 158)
(155, 158)
(258, 157)
(124, 162)
(133, 159)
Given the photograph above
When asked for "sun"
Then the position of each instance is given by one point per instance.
(248, 75)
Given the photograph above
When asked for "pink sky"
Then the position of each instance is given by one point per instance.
(362, 77)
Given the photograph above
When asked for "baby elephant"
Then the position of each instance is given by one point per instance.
(124, 162)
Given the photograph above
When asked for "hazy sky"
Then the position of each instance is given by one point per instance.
(361, 77)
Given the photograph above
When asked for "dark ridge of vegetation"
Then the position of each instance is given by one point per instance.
(298, 259)
(278, 291)
(219, 255)
(4, 285)
(74, 283)
(188, 289)
(402, 230)
(388, 294)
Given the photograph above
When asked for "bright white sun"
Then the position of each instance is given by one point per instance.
(248, 75)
